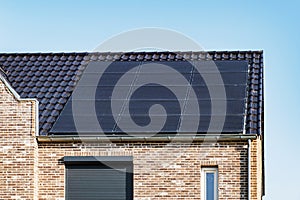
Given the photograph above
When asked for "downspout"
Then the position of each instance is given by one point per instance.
(249, 169)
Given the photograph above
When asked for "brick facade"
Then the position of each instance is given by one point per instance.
(30, 170)
(160, 172)
(18, 147)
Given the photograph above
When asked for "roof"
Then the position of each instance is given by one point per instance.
(52, 77)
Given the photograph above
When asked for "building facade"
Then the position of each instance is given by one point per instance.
(40, 162)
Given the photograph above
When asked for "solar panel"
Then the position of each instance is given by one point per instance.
(159, 97)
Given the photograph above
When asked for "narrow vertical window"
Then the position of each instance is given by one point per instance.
(209, 180)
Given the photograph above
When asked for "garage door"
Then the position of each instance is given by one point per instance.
(99, 178)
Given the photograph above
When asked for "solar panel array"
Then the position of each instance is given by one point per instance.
(163, 97)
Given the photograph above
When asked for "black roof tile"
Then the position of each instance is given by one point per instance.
(40, 95)
(62, 101)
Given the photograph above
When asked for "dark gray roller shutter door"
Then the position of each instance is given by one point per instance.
(98, 181)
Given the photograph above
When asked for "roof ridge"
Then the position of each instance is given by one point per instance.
(127, 52)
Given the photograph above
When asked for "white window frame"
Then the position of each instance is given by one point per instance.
(204, 171)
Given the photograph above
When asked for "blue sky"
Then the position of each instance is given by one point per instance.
(57, 26)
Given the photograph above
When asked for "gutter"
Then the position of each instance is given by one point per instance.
(159, 138)
(249, 169)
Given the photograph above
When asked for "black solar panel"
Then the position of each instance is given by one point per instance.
(157, 97)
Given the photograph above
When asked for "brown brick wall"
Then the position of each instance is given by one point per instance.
(17, 146)
(160, 172)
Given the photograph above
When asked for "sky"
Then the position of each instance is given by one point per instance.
(271, 26)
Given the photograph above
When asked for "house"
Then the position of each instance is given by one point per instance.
(62, 125)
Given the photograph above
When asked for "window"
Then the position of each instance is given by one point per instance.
(209, 183)
(107, 177)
